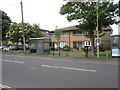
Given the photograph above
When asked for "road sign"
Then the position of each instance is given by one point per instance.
(97, 41)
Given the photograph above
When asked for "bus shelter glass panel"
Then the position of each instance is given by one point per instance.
(46, 44)
(33, 44)
(40, 44)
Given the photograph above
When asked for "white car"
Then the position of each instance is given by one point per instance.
(4, 48)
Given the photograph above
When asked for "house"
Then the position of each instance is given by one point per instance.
(73, 37)
(45, 32)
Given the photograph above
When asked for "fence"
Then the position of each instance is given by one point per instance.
(106, 54)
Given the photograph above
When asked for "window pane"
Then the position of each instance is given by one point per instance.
(115, 41)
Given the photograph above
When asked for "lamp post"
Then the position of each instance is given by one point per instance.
(118, 20)
(97, 41)
(23, 34)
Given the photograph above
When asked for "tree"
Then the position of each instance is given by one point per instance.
(15, 32)
(57, 34)
(86, 15)
(6, 21)
(38, 32)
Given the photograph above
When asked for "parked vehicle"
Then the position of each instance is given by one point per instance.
(3, 47)
(20, 47)
(6, 48)
(12, 47)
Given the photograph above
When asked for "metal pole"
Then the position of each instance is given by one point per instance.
(118, 20)
(23, 27)
(97, 32)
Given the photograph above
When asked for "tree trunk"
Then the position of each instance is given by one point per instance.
(92, 45)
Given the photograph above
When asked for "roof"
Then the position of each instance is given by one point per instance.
(70, 28)
(107, 28)
(67, 28)
(44, 30)
(40, 38)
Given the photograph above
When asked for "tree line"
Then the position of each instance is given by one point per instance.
(12, 31)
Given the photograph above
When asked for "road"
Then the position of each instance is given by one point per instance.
(26, 71)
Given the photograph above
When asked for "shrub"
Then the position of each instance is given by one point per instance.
(66, 48)
(101, 48)
(58, 48)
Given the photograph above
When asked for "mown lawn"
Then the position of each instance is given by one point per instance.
(66, 54)
(81, 54)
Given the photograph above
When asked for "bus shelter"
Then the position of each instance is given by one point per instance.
(115, 45)
(40, 45)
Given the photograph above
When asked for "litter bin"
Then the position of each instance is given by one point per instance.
(86, 51)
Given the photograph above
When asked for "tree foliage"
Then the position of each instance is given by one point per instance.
(15, 32)
(37, 29)
(57, 34)
(86, 15)
(5, 21)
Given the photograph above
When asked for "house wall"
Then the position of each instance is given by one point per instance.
(70, 39)
(105, 40)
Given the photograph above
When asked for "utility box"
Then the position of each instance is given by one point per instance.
(40, 45)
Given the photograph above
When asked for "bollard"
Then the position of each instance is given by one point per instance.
(58, 52)
(66, 53)
(86, 54)
(107, 54)
(18, 51)
(86, 51)
(53, 52)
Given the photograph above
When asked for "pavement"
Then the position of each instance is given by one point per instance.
(81, 59)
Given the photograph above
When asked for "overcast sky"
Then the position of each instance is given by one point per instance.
(43, 12)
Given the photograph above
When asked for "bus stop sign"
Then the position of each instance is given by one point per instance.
(97, 41)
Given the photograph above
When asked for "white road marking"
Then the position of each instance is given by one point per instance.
(69, 68)
(13, 61)
(7, 60)
(50, 66)
(18, 62)
(4, 86)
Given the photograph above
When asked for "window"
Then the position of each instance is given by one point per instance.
(62, 44)
(87, 43)
(85, 33)
(116, 41)
(77, 32)
(77, 44)
(64, 34)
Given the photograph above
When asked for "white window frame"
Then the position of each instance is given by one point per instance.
(77, 33)
(87, 43)
(62, 44)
